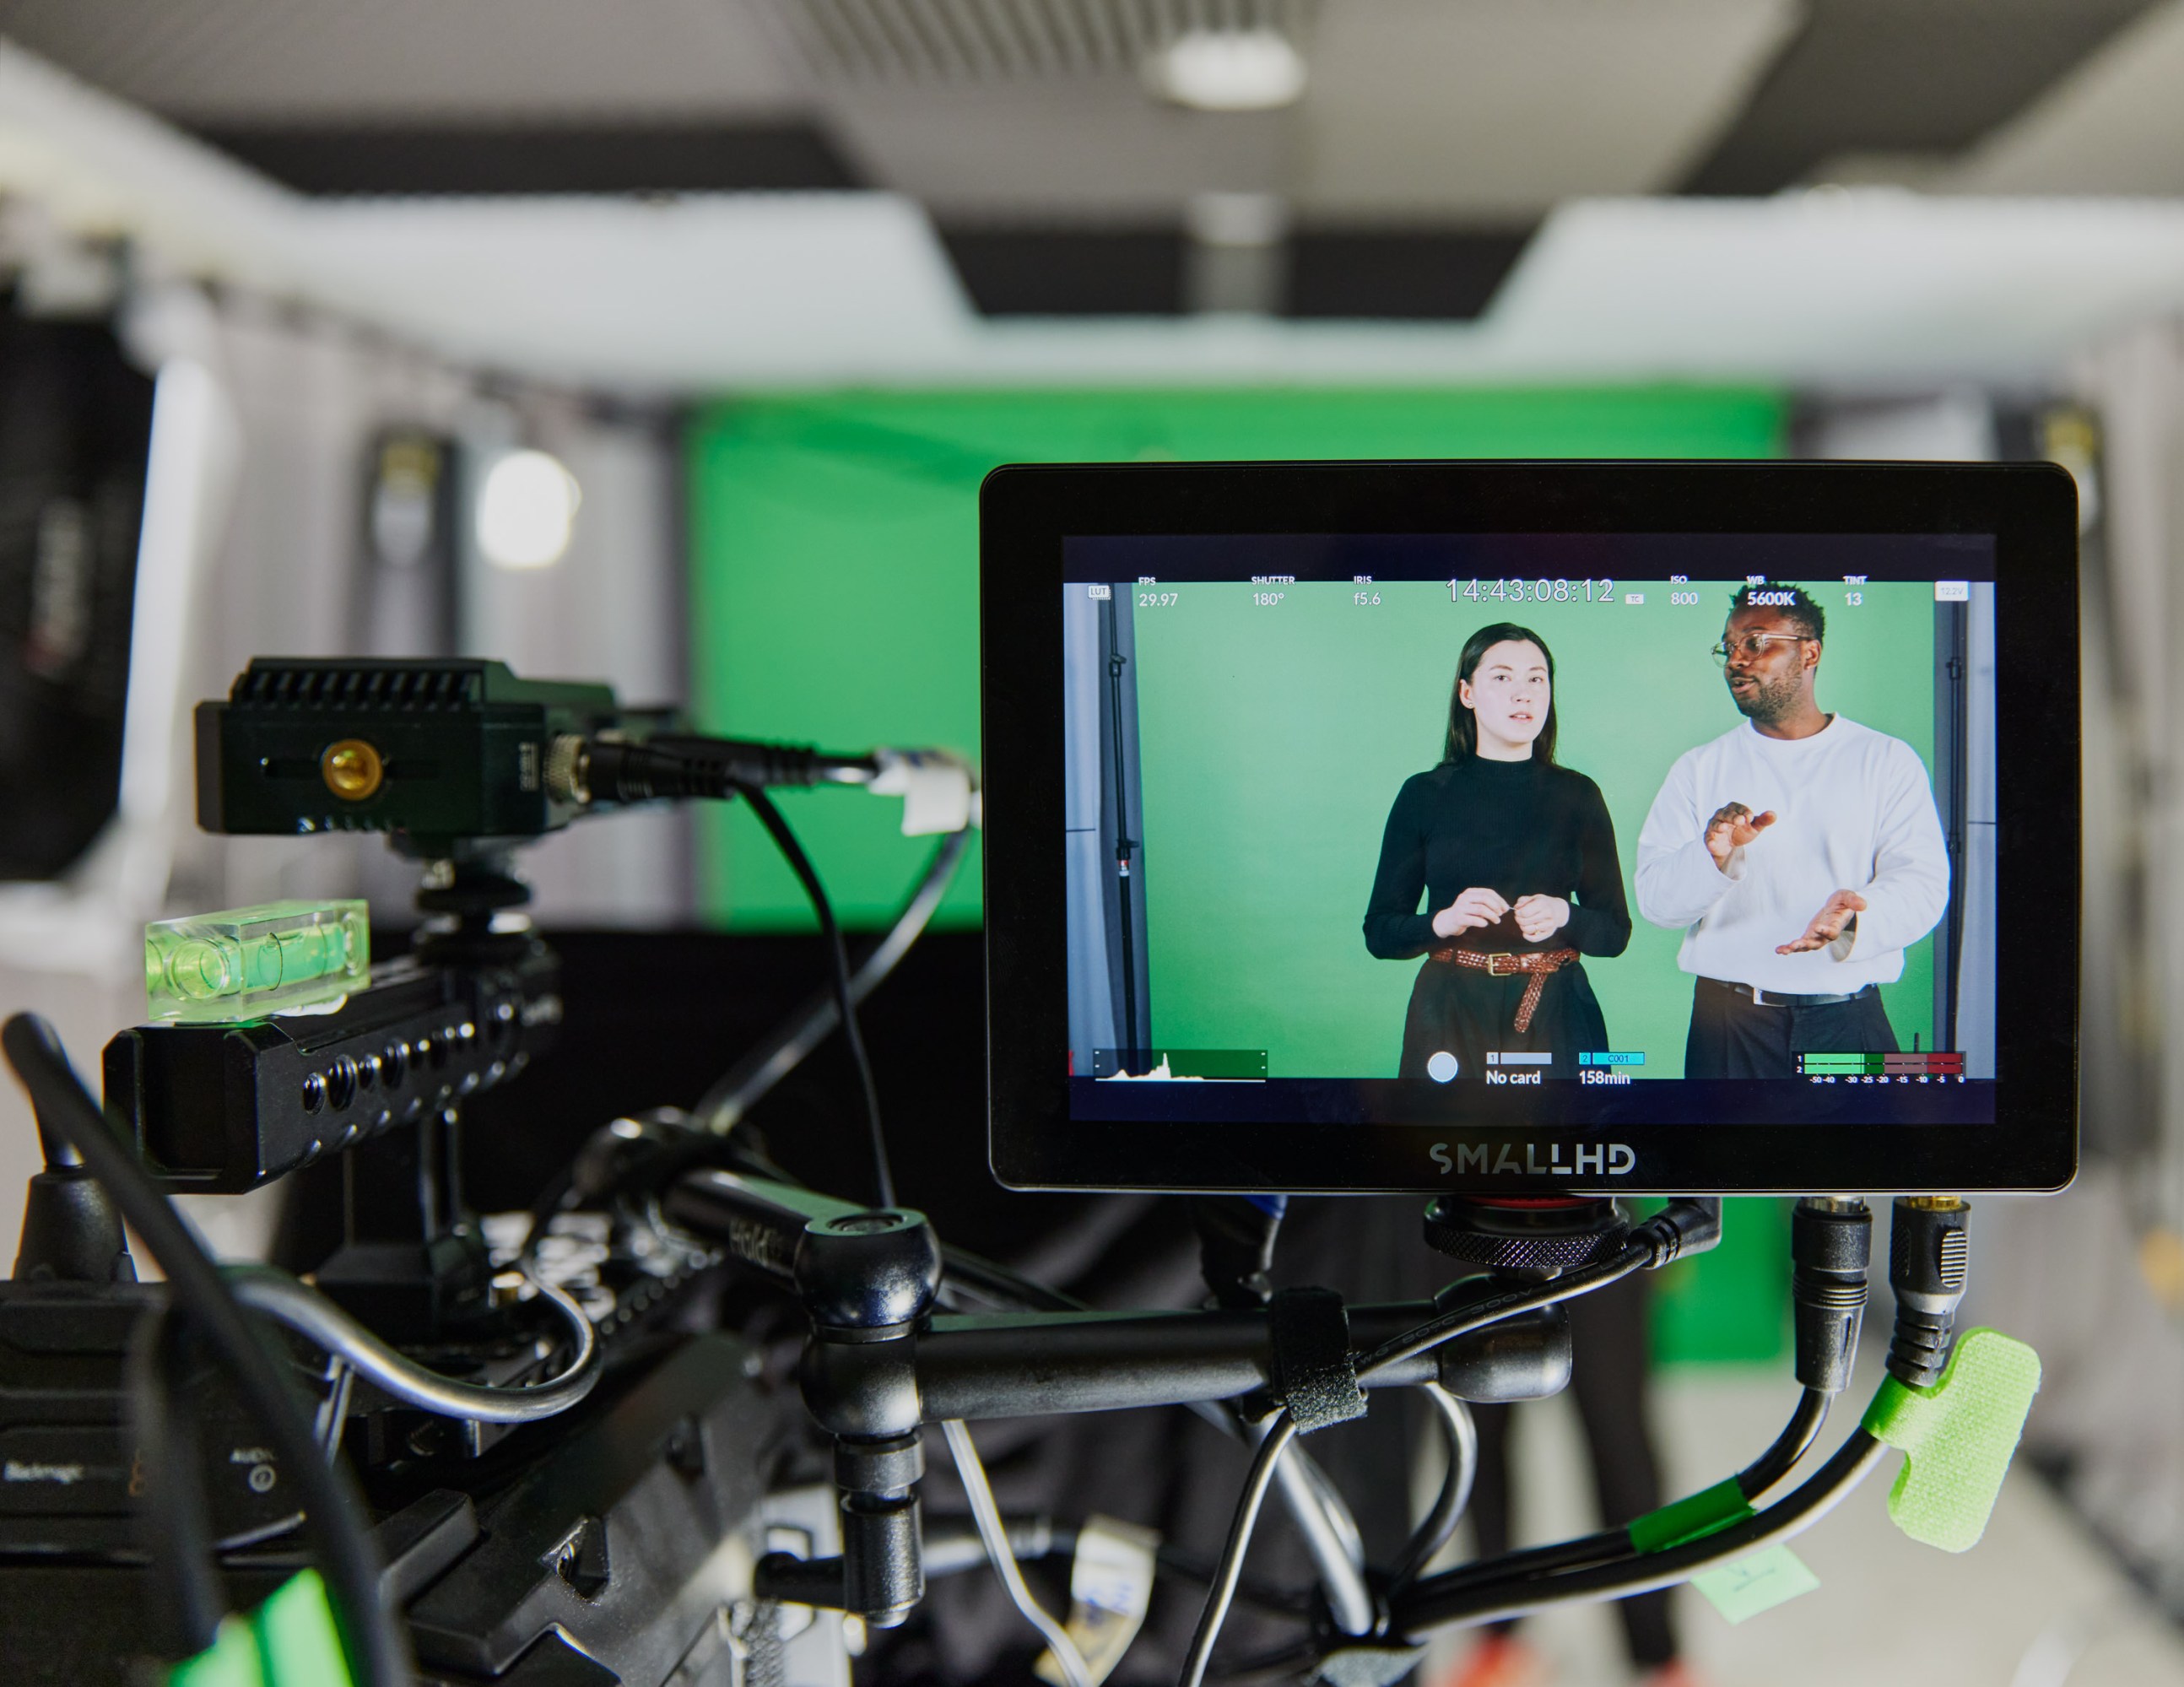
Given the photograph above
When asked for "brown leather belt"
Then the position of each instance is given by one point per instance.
(1502, 964)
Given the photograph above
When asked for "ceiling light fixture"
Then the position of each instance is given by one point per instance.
(1255, 70)
(527, 510)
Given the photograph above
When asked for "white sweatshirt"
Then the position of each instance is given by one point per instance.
(1853, 811)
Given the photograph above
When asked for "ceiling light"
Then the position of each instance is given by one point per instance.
(1229, 70)
(526, 510)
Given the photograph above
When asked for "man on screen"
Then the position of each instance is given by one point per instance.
(1799, 853)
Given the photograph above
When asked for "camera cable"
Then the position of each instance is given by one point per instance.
(1614, 1546)
(950, 1550)
(1796, 1439)
(939, 795)
(988, 1516)
(1648, 1245)
(777, 828)
(1829, 1246)
(1438, 1523)
(1314, 1503)
(299, 1307)
(740, 1089)
(1511, 1591)
(169, 1455)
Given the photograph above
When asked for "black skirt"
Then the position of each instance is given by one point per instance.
(1463, 1011)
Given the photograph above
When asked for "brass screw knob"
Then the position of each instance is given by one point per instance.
(352, 770)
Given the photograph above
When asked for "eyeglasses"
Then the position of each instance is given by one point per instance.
(1753, 645)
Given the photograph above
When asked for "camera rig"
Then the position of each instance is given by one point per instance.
(506, 1469)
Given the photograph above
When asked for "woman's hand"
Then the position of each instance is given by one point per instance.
(1541, 916)
(1475, 908)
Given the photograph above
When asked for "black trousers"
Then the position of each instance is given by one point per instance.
(1607, 1331)
(1732, 1036)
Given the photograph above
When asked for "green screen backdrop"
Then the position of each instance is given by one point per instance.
(834, 562)
(1273, 738)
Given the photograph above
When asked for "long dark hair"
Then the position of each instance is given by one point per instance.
(1462, 724)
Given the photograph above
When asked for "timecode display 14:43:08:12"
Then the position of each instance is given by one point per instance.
(1540, 590)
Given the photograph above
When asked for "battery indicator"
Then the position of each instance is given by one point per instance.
(246, 963)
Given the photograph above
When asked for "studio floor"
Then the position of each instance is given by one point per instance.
(2037, 1604)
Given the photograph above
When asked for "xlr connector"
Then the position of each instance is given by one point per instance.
(1929, 1260)
(1830, 1247)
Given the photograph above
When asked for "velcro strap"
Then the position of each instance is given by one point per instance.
(1957, 1437)
(1314, 1375)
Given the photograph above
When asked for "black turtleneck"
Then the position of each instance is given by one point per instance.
(1516, 828)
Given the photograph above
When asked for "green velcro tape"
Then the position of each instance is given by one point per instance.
(1705, 1512)
(1758, 1582)
(231, 1660)
(289, 1641)
(297, 1638)
(1957, 1437)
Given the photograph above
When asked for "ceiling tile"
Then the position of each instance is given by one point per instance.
(1099, 147)
(242, 60)
(625, 293)
(1500, 107)
(1880, 77)
(2114, 125)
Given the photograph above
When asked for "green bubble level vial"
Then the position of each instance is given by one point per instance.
(248, 962)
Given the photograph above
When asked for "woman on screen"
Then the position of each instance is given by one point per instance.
(1516, 859)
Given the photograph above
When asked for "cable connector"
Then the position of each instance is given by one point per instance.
(71, 1229)
(1690, 1224)
(1830, 1249)
(565, 769)
(1929, 1260)
(938, 793)
(1236, 1236)
(604, 769)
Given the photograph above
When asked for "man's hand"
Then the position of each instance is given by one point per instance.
(1475, 908)
(1836, 916)
(1732, 827)
(1539, 916)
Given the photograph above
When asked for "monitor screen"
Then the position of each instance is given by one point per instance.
(1619, 823)
(1558, 843)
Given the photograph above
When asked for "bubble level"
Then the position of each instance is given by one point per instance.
(247, 962)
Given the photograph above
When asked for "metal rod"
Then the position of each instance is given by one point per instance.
(1014, 1365)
